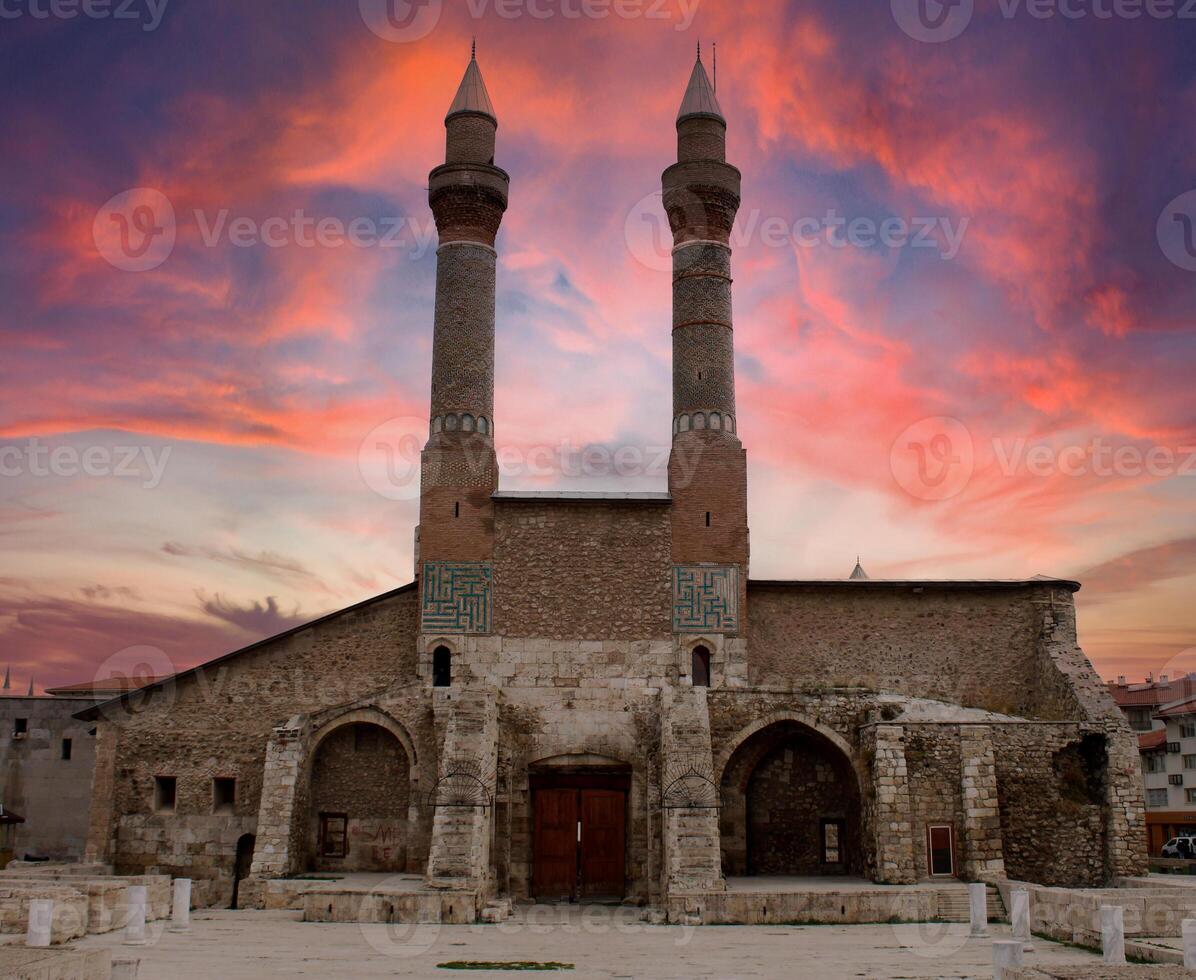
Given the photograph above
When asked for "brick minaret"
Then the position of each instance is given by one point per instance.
(468, 196)
(708, 466)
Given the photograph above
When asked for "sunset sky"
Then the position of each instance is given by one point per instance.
(189, 452)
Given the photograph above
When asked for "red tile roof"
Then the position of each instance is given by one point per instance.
(1152, 740)
(1185, 707)
(1146, 695)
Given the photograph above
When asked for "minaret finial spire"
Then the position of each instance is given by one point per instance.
(716, 66)
(473, 51)
(699, 49)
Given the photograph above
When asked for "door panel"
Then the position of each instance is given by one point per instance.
(554, 863)
(942, 859)
(603, 852)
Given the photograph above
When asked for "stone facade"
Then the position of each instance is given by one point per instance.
(47, 760)
(526, 719)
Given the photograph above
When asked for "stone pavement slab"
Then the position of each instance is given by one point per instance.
(602, 942)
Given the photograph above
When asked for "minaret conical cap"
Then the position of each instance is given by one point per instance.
(700, 99)
(472, 95)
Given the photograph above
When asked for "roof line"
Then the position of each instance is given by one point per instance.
(93, 712)
(880, 583)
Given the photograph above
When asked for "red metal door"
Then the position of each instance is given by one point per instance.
(554, 864)
(940, 850)
(603, 850)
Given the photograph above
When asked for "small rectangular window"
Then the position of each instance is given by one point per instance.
(1187, 731)
(1191, 794)
(1190, 760)
(334, 834)
(21, 726)
(832, 841)
(224, 795)
(1156, 797)
(67, 748)
(165, 794)
(1176, 779)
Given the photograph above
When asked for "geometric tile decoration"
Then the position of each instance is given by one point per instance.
(705, 598)
(456, 597)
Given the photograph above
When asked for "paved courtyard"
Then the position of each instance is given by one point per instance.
(599, 941)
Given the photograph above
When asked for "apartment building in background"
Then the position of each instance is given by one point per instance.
(1163, 713)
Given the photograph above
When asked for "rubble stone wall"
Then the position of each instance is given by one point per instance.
(217, 722)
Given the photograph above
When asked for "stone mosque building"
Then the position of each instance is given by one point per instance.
(586, 695)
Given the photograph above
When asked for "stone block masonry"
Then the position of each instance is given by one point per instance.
(842, 720)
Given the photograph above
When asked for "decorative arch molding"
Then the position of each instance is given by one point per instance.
(567, 760)
(370, 715)
(740, 738)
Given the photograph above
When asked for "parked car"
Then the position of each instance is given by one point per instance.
(1180, 847)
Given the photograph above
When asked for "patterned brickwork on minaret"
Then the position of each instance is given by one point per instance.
(708, 466)
(468, 196)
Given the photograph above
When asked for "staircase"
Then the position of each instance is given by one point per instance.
(953, 904)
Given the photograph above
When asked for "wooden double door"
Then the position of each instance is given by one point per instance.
(580, 844)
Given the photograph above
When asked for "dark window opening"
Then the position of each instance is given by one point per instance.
(21, 726)
(67, 748)
(442, 667)
(165, 794)
(700, 671)
(457, 509)
(708, 518)
(699, 375)
(224, 795)
(334, 834)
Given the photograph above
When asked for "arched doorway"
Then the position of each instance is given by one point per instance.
(360, 788)
(790, 805)
(242, 865)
